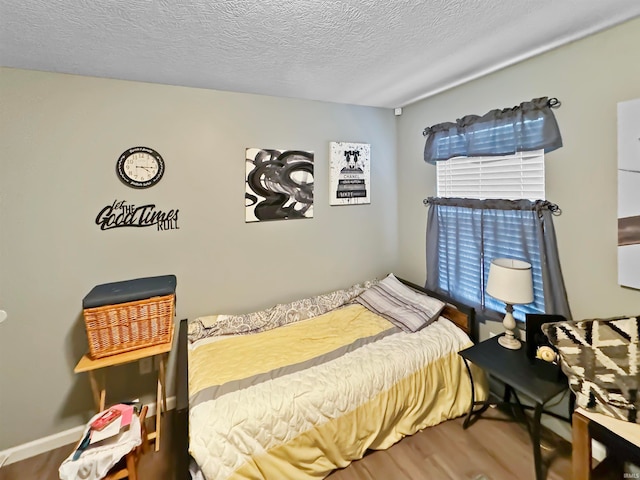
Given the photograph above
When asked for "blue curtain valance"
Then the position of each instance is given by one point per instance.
(528, 126)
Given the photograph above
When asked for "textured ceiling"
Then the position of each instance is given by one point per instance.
(367, 52)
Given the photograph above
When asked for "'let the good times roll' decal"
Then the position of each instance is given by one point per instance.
(120, 214)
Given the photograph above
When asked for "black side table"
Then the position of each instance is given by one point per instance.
(514, 370)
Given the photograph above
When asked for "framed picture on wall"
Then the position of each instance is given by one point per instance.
(350, 173)
(278, 184)
(629, 193)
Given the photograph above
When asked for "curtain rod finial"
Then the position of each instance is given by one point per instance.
(554, 103)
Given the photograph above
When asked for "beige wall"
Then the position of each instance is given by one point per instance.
(589, 77)
(60, 136)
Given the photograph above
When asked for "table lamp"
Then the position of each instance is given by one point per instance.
(510, 281)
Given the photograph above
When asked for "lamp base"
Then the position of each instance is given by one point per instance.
(509, 342)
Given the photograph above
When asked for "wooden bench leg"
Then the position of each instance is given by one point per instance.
(158, 414)
(161, 399)
(581, 452)
(132, 467)
(99, 389)
(162, 373)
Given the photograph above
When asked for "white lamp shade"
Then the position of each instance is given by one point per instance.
(510, 281)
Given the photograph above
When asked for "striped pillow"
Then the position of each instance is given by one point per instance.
(403, 306)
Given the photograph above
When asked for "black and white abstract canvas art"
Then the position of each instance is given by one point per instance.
(279, 184)
(350, 173)
(629, 193)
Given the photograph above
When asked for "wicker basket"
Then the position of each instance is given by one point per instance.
(113, 329)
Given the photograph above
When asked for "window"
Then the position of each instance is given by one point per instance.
(469, 238)
(494, 206)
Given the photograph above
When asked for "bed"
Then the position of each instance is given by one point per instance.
(302, 389)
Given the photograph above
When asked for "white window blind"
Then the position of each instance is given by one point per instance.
(510, 177)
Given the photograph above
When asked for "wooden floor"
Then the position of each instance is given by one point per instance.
(493, 448)
(488, 450)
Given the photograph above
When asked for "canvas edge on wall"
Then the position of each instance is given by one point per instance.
(628, 171)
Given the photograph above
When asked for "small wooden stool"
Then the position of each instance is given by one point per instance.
(98, 382)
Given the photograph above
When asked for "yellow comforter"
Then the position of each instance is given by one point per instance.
(301, 400)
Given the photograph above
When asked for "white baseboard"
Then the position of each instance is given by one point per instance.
(57, 440)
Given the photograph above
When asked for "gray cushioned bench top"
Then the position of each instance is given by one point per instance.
(130, 291)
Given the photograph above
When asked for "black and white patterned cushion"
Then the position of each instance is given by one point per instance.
(600, 357)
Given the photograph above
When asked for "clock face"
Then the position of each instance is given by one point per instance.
(140, 167)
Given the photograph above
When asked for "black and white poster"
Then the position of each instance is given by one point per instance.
(279, 184)
(350, 173)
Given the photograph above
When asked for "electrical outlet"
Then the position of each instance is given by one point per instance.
(145, 365)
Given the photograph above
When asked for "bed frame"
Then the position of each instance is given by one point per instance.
(462, 315)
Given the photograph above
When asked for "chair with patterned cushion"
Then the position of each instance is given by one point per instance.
(601, 358)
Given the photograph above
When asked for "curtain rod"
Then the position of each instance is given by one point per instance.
(495, 204)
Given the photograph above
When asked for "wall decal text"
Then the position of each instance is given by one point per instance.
(121, 214)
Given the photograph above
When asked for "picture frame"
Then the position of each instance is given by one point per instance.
(350, 173)
(278, 184)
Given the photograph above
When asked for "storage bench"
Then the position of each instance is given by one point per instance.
(128, 315)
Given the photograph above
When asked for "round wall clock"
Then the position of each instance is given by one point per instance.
(140, 167)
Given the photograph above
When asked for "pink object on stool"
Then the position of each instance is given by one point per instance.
(127, 413)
